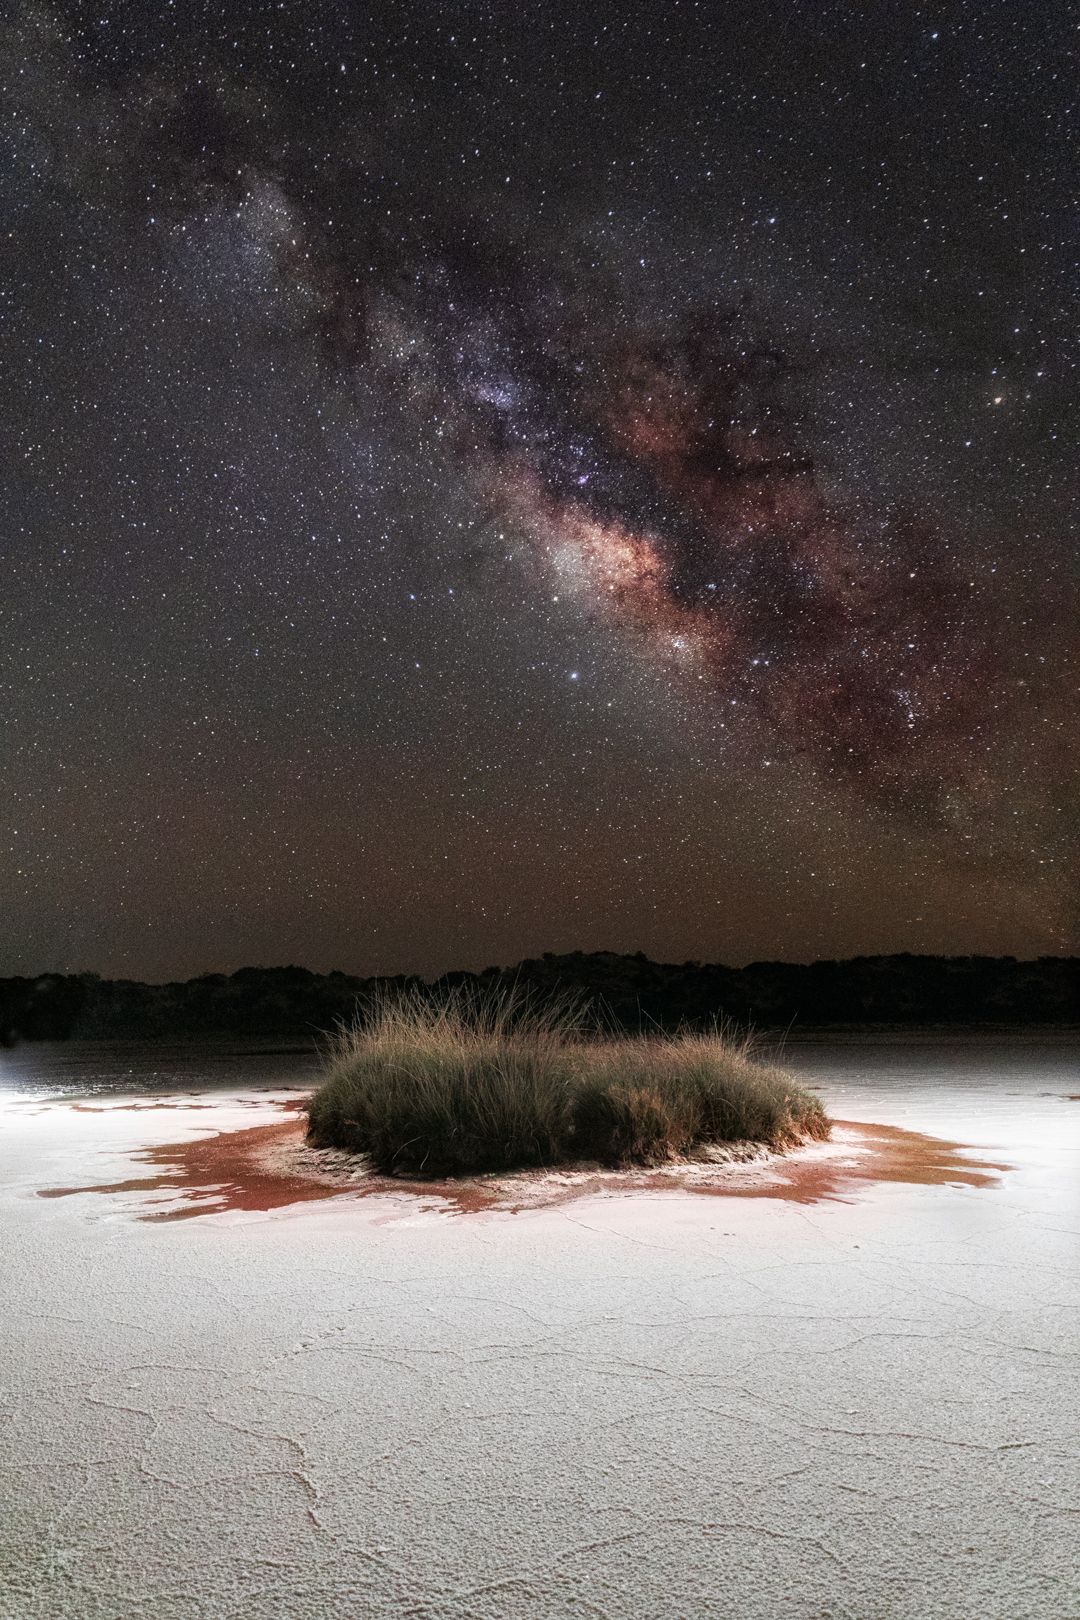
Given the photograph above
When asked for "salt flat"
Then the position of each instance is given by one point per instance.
(657, 1403)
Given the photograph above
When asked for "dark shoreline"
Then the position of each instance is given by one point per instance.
(782, 1000)
(227, 1043)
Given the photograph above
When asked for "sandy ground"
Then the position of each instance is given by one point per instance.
(849, 1390)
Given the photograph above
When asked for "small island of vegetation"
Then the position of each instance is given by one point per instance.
(465, 1083)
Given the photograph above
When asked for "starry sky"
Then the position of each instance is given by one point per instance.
(481, 479)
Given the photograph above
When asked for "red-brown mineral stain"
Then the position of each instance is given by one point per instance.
(887, 1153)
(215, 1173)
(231, 1171)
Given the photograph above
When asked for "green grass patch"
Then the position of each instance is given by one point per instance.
(467, 1084)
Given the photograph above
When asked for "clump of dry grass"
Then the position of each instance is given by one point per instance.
(469, 1083)
(450, 1086)
(649, 1098)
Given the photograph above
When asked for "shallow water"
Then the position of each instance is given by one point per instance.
(626, 1406)
(100, 1068)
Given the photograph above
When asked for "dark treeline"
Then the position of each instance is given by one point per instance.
(291, 1001)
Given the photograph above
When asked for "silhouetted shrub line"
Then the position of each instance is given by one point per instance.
(496, 1080)
(864, 992)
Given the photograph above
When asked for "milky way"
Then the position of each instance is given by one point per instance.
(660, 475)
(648, 451)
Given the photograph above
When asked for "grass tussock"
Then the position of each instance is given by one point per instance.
(467, 1084)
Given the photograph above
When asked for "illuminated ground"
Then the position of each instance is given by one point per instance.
(860, 1403)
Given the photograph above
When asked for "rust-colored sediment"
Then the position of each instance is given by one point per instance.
(214, 1173)
(243, 1170)
(884, 1153)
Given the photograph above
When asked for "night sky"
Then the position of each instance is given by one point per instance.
(485, 478)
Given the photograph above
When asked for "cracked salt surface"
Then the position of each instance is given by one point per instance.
(853, 1407)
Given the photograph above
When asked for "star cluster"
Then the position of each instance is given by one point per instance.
(486, 482)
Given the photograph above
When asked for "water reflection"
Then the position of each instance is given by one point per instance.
(104, 1068)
